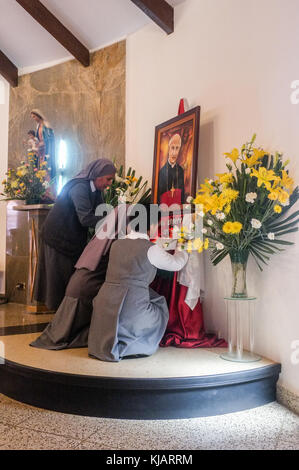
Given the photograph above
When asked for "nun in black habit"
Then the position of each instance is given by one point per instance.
(64, 234)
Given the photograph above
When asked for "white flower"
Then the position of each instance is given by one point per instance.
(210, 222)
(203, 230)
(122, 199)
(219, 246)
(271, 236)
(210, 181)
(250, 197)
(256, 223)
(220, 216)
(189, 199)
(287, 203)
(248, 171)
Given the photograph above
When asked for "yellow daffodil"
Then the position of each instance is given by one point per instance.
(230, 195)
(233, 155)
(279, 194)
(277, 209)
(189, 246)
(264, 176)
(273, 195)
(227, 209)
(206, 244)
(286, 181)
(225, 178)
(198, 245)
(232, 227)
(21, 172)
(257, 155)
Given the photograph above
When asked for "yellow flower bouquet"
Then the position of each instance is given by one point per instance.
(27, 182)
(244, 210)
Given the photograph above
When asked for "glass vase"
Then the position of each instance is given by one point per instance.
(239, 260)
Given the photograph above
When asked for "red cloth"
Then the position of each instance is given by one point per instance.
(185, 327)
(181, 107)
(171, 197)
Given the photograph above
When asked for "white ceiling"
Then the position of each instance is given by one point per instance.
(95, 23)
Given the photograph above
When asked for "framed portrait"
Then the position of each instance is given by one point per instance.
(176, 158)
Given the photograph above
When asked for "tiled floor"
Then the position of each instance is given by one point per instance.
(12, 314)
(268, 427)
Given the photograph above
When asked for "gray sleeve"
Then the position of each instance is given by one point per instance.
(80, 195)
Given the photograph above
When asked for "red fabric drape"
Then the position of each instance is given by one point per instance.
(185, 327)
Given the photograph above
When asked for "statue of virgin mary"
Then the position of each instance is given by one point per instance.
(46, 141)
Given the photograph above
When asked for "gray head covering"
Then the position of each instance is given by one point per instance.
(95, 169)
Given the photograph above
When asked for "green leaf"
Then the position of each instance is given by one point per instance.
(259, 255)
(220, 257)
(291, 230)
(292, 216)
(282, 242)
(284, 227)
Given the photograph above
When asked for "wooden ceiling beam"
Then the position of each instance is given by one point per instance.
(8, 70)
(48, 21)
(159, 11)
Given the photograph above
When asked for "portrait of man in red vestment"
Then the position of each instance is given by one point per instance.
(176, 158)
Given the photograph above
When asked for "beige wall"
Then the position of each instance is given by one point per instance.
(4, 104)
(85, 106)
(236, 59)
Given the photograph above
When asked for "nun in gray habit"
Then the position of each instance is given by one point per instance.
(118, 316)
(64, 234)
(70, 325)
(129, 318)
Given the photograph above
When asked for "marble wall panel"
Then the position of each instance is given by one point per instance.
(85, 107)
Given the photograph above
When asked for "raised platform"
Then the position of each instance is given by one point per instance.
(173, 383)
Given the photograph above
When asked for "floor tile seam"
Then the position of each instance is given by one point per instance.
(51, 433)
(16, 427)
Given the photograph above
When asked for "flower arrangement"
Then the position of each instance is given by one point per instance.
(27, 182)
(244, 209)
(127, 189)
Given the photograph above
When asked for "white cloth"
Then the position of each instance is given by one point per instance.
(191, 275)
(159, 258)
(190, 266)
(92, 186)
